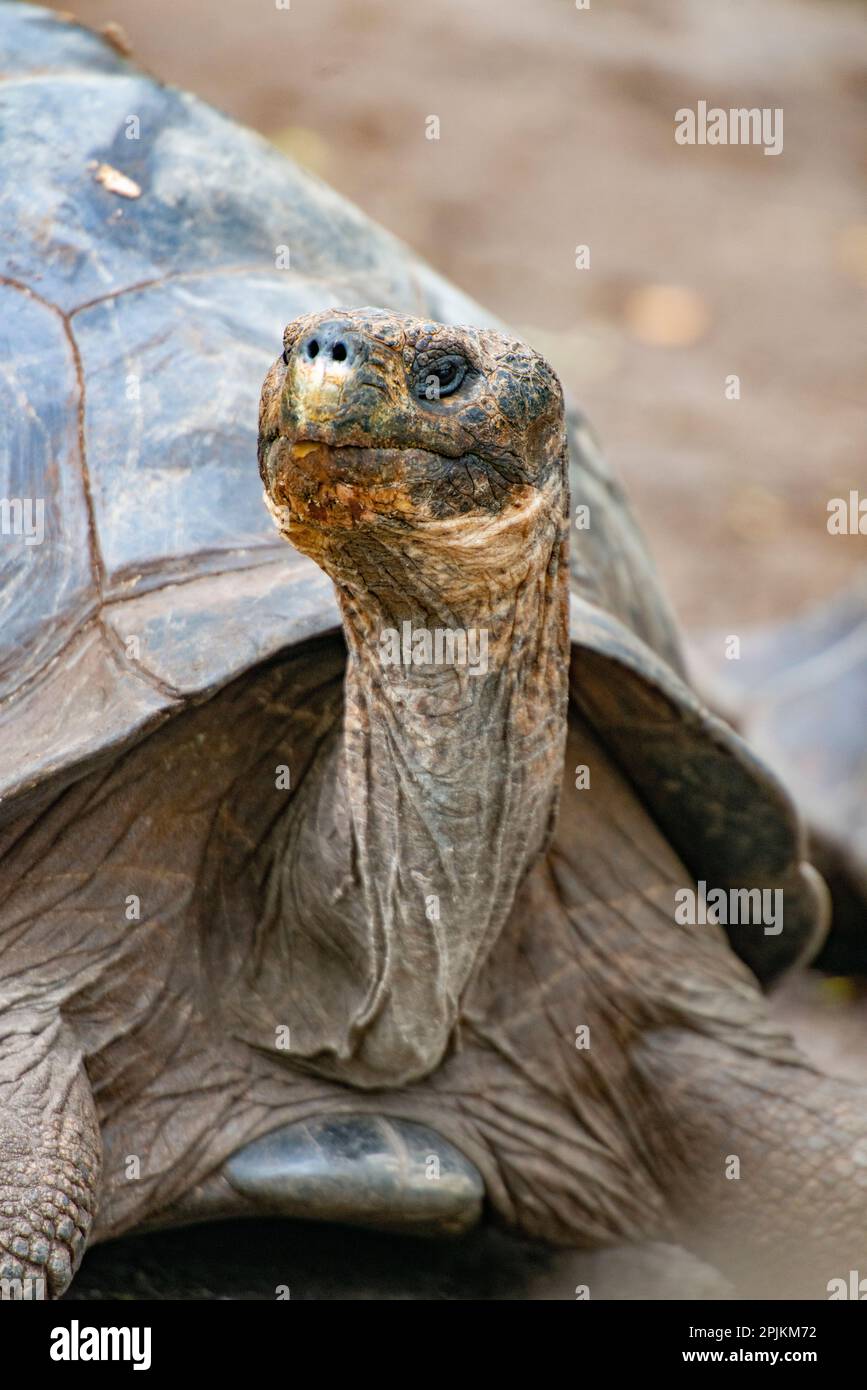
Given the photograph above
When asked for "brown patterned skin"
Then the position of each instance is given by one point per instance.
(391, 495)
(50, 1151)
(154, 1037)
(447, 514)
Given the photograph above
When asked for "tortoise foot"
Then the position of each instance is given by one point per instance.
(389, 1175)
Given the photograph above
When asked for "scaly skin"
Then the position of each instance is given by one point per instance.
(445, 514)
(360, 473)
(623, 1142)
(50, 1151)
(262, 910)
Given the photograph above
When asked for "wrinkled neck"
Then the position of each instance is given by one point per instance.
(440, 788)
(451, 756)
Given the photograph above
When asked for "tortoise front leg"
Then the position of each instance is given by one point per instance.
(50, 1155)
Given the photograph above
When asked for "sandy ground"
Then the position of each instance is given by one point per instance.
(557, 130)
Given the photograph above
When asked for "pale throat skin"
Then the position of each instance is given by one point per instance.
(400, 857)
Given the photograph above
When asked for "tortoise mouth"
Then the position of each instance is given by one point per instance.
(303, 447)
(323, 483)
(304, 444)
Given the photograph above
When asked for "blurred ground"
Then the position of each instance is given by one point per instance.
(556, 130)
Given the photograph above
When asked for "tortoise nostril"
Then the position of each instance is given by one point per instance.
(333, 342)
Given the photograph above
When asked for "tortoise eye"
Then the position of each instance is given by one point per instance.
(440, 378)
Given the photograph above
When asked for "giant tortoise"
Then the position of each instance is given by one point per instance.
(351, 879)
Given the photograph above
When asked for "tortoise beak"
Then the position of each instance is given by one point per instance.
(323, 367)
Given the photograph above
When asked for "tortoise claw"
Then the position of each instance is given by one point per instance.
(385, 1174)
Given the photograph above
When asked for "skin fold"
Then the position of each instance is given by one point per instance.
(442, 788)
(450, 930)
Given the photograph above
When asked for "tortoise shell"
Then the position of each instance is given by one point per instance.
(152, 252)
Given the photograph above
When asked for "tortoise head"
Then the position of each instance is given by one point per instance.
(377, 428)
(424, 468)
